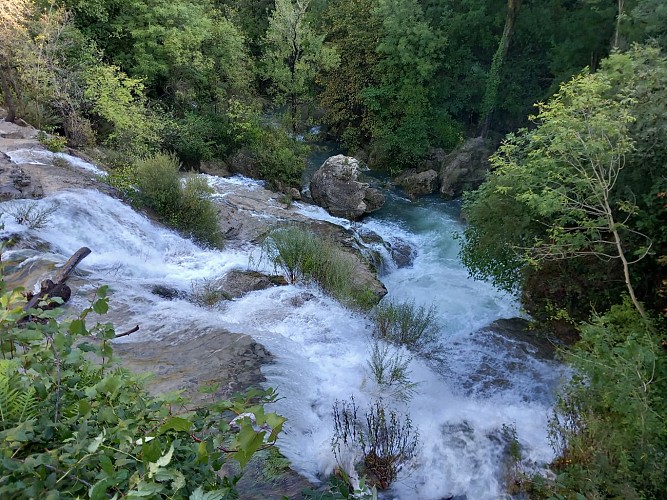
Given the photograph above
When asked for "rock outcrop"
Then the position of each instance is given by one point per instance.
(15, 183)
(418, 183)
(336, 187)
(465, 168)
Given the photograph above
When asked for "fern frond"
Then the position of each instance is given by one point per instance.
(17, 402)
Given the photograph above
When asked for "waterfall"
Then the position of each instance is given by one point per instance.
(477, 382)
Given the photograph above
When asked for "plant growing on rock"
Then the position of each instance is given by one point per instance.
(385, 440)
(30, 213)
(303, 256)
(184, 206)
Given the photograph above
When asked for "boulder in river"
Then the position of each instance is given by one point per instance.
(336, 187)
(466, 167)
(418, 183)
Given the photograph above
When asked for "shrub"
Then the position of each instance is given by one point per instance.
(184, 206)
(387, 441)
(406, 324)
(72, 428)
(30, 214)
(198, 216)
(390, 370)
(609, 427)
(54, 143)
(303, 256)
(159, 181)
(281, 158)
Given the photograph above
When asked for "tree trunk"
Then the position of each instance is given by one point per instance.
(619, 15)
(6, 87)
(621, 254)
(491, 93)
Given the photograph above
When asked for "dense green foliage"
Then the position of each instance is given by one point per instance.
(71, 427)
(609, 428)
(581, 184)
(182, 204)
(396, 77)
(574, 215)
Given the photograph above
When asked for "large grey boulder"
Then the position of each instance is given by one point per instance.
(418, 183)
(465, 168)
(336, 187)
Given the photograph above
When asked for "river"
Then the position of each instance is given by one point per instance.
(475, 383)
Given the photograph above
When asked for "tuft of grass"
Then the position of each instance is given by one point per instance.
(302, 256)
(406, 324)
(208, 292)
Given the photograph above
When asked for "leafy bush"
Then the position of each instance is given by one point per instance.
(184, 206)
(70, 427)
(303, 256)
(609, 427)
(406, 324)
(387, 441)
(160, 184)
(54, 143)
(281, 158)
(390, 370)
(198, 216)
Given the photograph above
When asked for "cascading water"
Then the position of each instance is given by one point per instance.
(464, 395)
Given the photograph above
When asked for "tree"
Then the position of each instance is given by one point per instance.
(293, 54)
(493, 80)
(403, 113)
(352, 30)
(566, 182)
(13, 33)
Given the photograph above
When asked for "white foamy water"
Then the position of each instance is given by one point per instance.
(321, 348)
(35, 156)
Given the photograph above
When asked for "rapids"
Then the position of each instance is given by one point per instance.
(473, 385)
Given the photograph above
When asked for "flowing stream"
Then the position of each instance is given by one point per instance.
(477, 381)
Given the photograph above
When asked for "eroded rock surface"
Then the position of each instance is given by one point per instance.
(335, 186)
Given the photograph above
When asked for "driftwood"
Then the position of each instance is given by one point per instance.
(57, 286)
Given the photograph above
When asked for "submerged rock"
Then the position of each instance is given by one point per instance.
(237, 283)
(336, 187)
(230, 360)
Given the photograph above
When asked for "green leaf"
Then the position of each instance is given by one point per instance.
(101, 306)
(177, 424)
(166, 458)
(77, 327)
(99, 489)
(95, 444)
(151, 450)
(200, 494)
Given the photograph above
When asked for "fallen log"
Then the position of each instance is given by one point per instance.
(57, 287)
